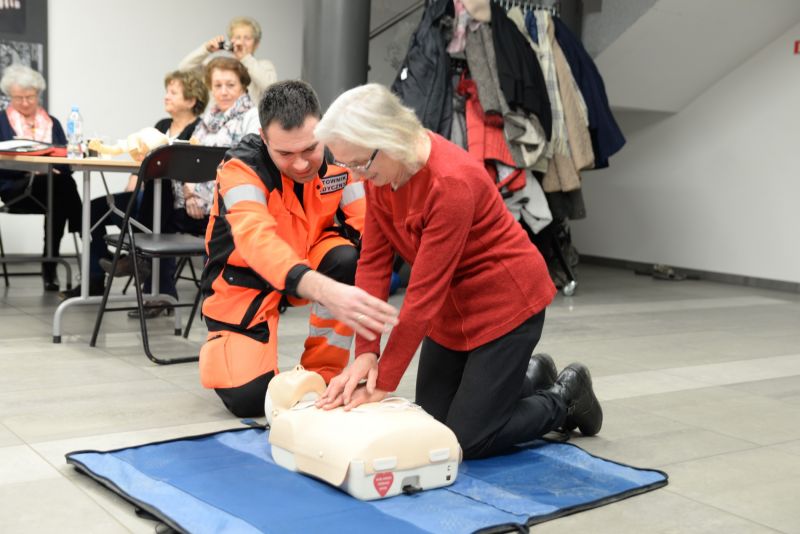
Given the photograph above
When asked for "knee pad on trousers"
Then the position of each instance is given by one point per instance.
(340, 264)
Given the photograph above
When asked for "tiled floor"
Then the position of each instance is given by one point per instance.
(699, 379)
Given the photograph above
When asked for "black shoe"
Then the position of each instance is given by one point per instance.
(49, 277)
(541, 374)
(96, 287)
(152, 313)
(125, 266)
(574, 385)
(51, 285)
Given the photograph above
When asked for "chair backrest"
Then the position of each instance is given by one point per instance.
(183, 162)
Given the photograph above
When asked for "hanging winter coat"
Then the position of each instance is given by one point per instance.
(423, 82)
(607, 138)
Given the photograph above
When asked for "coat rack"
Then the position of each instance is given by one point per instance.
(529, 5)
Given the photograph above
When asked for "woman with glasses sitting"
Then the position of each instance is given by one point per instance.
(25, 118)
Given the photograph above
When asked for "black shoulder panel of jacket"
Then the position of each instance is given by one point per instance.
(253, 153)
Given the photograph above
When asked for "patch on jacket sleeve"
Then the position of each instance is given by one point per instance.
(331, 184)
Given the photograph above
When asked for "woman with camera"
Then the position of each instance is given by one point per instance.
(244, 35)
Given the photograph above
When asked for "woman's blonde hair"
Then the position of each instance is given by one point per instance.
(372, 117)
(245, 21)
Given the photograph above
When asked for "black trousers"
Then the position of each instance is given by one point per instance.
(248, 400)
(478, 393)
(66, 205)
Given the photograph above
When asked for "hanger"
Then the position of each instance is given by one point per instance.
(529, 5)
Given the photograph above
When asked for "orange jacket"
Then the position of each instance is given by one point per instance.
(259, 235)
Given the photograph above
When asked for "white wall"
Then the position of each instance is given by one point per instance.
(110, 58)
(714, 187)
(388, 50)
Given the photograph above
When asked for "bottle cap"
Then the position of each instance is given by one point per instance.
(74, 107)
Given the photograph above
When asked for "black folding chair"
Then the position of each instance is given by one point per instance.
(185, 163)
(12, 207)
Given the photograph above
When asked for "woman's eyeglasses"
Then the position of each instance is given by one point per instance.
(360, 167)
(24, 98)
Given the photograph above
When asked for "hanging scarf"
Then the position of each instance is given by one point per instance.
(41, 129)
(223, 128)
(216, 128)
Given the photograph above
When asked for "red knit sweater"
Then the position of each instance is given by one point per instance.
(475, 274)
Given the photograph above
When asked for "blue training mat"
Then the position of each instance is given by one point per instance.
(228, 482)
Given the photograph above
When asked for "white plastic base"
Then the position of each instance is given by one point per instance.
(382, 484)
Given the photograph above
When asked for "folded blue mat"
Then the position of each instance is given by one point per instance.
(228, 482)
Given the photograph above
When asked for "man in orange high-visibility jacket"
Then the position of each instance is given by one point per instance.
(285, 224)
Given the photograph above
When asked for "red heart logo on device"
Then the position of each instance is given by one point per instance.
(382, 482)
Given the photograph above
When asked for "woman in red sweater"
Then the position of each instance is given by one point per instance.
(478, 290)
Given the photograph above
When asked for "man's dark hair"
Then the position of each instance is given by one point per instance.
(288, 102)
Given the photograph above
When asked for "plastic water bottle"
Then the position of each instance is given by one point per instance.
(75, 134)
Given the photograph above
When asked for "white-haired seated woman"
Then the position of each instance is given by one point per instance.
(25, 118)
(478, 290)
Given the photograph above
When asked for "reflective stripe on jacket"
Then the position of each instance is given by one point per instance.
(259, 235)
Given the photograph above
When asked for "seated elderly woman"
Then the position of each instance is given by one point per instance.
(478, 290)
(185, 98)
(25, 118)
(244, 34)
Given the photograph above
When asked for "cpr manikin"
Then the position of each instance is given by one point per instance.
(377, 450)
(137, 145)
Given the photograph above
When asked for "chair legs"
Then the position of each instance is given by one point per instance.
(3, 255)
(192, 314)
(104, 302)
(137, 277)
(143, 322)
(178, 271)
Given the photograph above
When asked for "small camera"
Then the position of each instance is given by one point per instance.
(226, 45)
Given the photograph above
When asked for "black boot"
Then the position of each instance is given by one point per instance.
(574, 386)
(96, 288)
(49, 276)
(541, 374)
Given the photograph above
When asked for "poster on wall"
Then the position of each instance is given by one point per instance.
(12, 16)
(28, 54)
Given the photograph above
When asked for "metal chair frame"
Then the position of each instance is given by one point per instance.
(184, 162)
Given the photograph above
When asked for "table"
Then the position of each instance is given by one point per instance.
(44, 165)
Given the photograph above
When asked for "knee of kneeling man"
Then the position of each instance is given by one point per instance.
(246, 400)
(472, 444)
(344, 264)
(241, 407)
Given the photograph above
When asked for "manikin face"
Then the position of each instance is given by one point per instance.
(296, 152)
(24, 99)
(174, 101)
(382, 170)
(226, 88)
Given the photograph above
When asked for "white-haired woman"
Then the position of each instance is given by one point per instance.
(25, 118)
(244, 34)
(478, 287)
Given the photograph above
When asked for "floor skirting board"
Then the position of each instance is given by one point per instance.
(736, 279)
